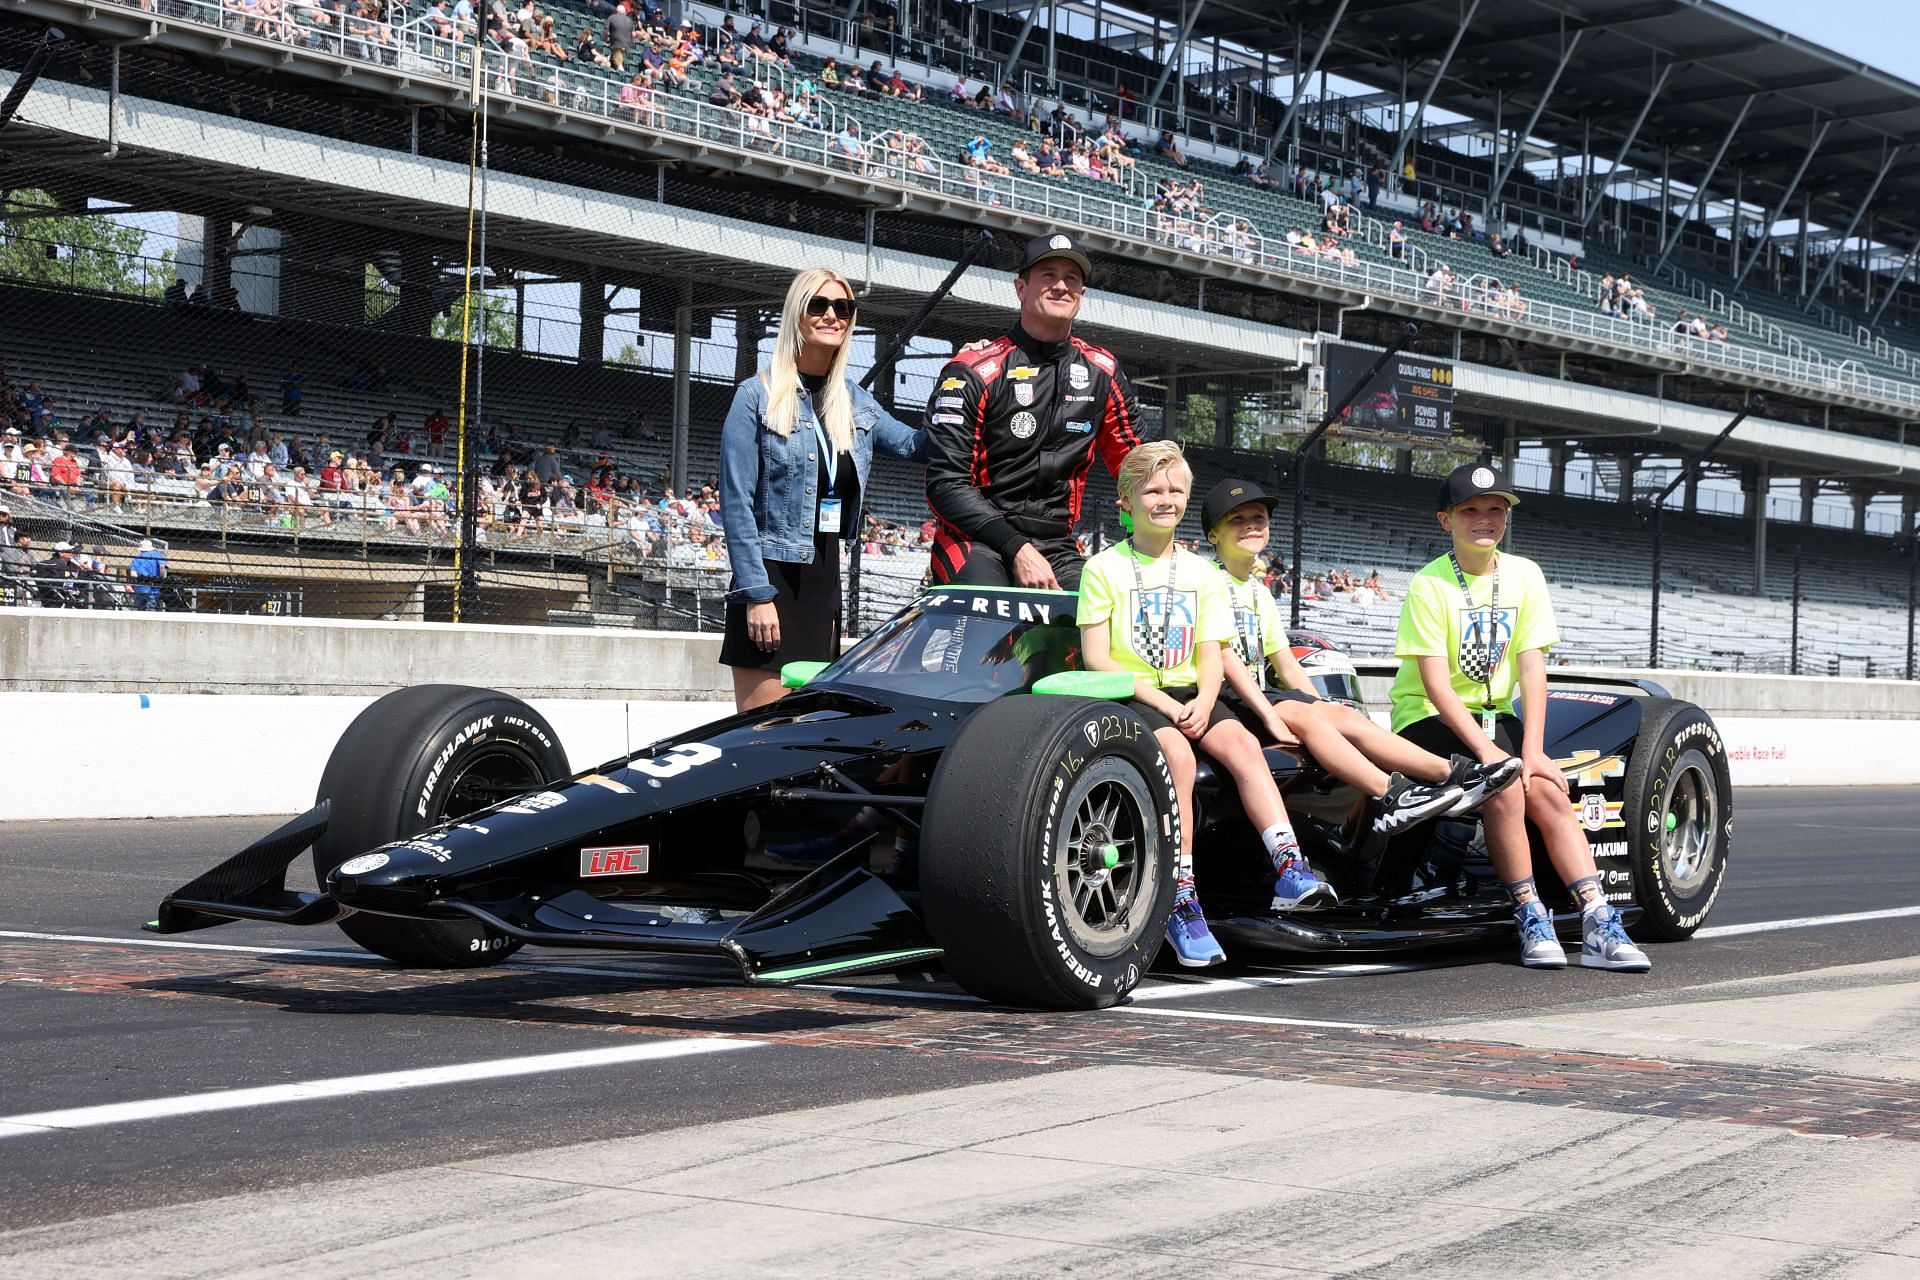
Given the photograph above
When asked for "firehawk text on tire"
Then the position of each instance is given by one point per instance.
(1679, 816)
(1048, 851)
(415, 758)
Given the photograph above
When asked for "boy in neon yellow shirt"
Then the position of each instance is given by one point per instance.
(1475, 629)
(1160, 614)
(1342, 740)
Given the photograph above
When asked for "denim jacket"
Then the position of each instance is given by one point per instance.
(768, 482)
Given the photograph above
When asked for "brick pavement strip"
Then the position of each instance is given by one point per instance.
(1807, 1102)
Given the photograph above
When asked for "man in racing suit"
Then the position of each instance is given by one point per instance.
(1013, 427)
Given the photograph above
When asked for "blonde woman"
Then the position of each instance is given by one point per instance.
(795, 455)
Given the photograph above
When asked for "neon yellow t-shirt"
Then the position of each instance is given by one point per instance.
(1155, 631)
(1481, 639)
(1259, 631)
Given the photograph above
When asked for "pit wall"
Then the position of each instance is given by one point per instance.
(125, 715)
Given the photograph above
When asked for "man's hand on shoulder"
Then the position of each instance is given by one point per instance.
(1031, 569)
(978, 344)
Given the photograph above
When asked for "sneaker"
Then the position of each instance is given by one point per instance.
(1539, 947)
(1297, 888)
(1187, 933)
(1480, 782)
(1604, 943)
(1408, 802)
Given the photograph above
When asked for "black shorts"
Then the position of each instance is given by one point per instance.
(1252, 716)
(1433, 735)
(962, 562)
(1182, 694)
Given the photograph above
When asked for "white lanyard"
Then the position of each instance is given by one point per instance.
(832, 454)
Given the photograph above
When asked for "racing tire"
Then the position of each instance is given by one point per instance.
(1047, 852)
(414, 759)
(1679, 818)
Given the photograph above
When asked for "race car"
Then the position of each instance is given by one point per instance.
(953, 789)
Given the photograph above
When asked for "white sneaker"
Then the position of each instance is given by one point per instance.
(1539, 947)
(1604, 943)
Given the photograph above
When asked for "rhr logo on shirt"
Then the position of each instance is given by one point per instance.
(1482, 646)
(1164, 627)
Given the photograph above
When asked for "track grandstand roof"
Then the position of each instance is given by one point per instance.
(1719, 59)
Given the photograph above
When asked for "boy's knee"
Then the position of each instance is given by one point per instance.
(1547, 805)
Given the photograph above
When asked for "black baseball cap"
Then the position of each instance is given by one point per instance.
(1055, 246)
(1227, 495)
(1473, 480)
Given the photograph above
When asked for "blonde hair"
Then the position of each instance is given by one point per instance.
(1142, 461)
(782, 377)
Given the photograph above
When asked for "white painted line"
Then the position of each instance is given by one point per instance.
(1805, 922)
(1170, 990)
(1206, 1015)
(185, 946)
(347, 1086)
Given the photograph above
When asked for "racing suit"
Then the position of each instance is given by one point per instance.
(1011, 431)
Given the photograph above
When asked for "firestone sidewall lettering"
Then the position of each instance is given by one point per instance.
(1704, 737)
(460, 739)
(1048, 903)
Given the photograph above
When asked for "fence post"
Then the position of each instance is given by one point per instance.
(1793, 657)
(1913, 582)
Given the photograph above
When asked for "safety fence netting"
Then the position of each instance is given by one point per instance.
(475, 395)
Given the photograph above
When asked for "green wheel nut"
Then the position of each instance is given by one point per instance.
(1110, 856)
(1673, 820)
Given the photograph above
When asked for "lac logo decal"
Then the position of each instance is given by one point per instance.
(361, 865)
(1023, 426)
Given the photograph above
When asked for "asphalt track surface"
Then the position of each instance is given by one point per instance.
(92, 1013)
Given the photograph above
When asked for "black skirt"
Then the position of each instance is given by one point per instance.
(807, 595)
(808, 602)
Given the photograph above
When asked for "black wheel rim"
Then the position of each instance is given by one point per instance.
(1689, 823)
(491, 773)
(1105, 859)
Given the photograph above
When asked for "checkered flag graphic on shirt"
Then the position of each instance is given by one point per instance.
(1163, 628)
(1483, 641)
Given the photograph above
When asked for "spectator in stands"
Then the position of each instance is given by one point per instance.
(148, 570)
(620, 35)
(65, 475)
(1397, 243)
(116, 476)
(796, 453)
(587, 53)
(1466, 650)
(851, 147)
(1169, 150)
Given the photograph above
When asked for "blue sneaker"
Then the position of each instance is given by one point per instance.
(1187, 933)
(1297, 888)
(1539, 946)
(1604, 943)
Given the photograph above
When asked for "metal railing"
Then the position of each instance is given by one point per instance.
(588, 92)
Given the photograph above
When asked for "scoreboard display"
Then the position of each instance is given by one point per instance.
(1412, 395)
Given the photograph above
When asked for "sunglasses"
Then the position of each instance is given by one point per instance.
(842, 308)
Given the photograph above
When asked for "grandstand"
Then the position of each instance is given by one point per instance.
(306, 174)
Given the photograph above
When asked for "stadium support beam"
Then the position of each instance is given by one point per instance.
(1520, 149)
(1700, 188)
(1020, 44)
(1312, 68)
(1406, 335)
(1194, 9)
(1469, 10)
(1893, 285)
(1866, 203)
(682, 375)
(1633, 136)
(1780, 210)
(1754, 403)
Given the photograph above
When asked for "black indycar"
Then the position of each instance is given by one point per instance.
(951, 789)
